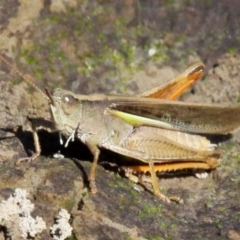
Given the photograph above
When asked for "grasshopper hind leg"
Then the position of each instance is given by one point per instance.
(156, 189)
(138, 154)
(153, 180)
(173, 150)
(155, 185)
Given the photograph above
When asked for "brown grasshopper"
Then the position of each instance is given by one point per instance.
(144, 127)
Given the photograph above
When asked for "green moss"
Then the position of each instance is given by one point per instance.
(110, 52)
(150, 210)
(169, 3)
(16, 81)
(31, 60)
(53, 18)
(221, 208)
(154, 237)
(71, 238)
(238, 98)
(219, 224)
(232, 50)
(69, 203)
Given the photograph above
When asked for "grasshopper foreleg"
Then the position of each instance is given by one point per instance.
(72, 136)
(60, 139)
(37, 123)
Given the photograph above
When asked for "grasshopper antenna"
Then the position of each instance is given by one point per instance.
(50, 98)
(21, 75)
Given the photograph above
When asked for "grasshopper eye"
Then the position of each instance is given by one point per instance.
(68, 99)
(69, 104)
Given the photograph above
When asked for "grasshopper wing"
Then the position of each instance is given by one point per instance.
(173, 89)
(176, 115)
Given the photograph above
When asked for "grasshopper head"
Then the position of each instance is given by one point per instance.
(65, 109)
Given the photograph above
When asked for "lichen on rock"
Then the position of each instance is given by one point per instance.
(61, 229)
(15, 216)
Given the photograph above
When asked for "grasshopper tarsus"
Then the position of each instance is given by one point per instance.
(92, 183)
(163, 198)
(93, 189)
(28, 159)
(176, 199)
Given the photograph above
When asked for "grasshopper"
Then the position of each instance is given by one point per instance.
(150, 127)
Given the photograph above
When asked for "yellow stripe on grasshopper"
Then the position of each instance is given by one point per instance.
(136, 120)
